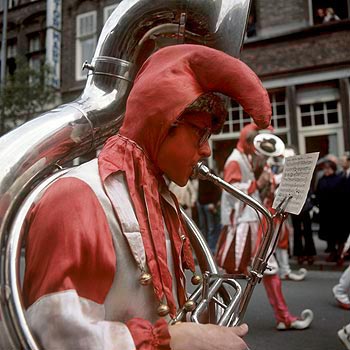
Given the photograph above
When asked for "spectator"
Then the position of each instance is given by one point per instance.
(303, 242)
(320, 15)
(328, 192)
(342, 289)
(251, 27)
(330, 16)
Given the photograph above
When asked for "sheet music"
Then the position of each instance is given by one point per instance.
(296, 179)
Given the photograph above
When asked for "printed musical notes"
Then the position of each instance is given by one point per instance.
(296, 179)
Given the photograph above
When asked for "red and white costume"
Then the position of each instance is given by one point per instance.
(238, 239)
(94, 231)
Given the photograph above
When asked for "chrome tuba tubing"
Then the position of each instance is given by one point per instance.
(234, 310)
(30, 153)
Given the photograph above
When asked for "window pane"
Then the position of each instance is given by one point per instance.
(319, 119)
(281, 110)
(306, 120)
(305, 108)
(318, 107)
(34, 44)
(333, 118)
(331, 105)
(234, 104)
(226, 128)
(235, 127)
(87, 49)
(281, 123)
(235, 114)
(280, 96)
(86, 24)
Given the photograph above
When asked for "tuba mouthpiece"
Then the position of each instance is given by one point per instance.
(200, 171)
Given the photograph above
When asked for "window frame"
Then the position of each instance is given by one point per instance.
(107, 11)
(311, 12)
(312, 97)
(79, 38)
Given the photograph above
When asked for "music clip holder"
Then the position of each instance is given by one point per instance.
(280, 209)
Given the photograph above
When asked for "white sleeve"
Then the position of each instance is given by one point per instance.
(66, 321)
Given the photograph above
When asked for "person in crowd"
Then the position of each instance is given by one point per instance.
(303, 242)
(320, 15)
(186, 195)
(330, 15)
(251, 27)
(237, 243)
(328, 192)
(106, 247)
(208, 211)
(345, 164)
(341, 290)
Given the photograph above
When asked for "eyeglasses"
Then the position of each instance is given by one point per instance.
(202, 133)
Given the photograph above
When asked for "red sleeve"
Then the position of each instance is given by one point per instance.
(149, 337)
(67, 233)
(232, 172)
(253, 187)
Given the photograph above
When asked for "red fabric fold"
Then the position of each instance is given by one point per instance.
(64, 244)
(232, 172)
(149, 337)
(144, 184)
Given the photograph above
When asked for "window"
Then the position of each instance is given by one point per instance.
(85, 41)
(11, 50)
(251, 25)
(107, 11)
(319, 120)
(34, 43)
(13, 3)
(34, 52)
(11, 57)
(319, 114)
(238, 118)
(324, 11)
(279, 121)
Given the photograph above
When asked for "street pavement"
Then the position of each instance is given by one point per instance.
(314, 293)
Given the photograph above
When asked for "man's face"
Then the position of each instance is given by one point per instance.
(184, 146)
(249, 144)
(344, 162)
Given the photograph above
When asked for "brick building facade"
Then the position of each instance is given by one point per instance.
(26, 31)
(305, 65)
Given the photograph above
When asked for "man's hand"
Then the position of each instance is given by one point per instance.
(192, 336)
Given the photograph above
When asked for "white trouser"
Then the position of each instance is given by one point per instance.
(283, 261)
(342, 289)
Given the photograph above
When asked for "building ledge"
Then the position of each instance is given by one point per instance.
(302, 32)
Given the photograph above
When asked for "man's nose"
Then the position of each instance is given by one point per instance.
(204, 150)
